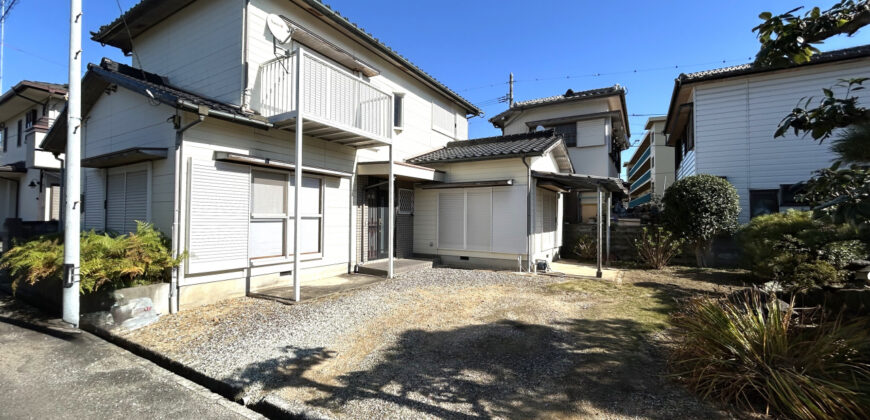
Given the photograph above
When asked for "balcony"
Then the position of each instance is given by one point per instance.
(646, 198)
(640, 161)
(644, 179)
(336, 105)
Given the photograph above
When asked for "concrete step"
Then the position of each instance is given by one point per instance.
(400, 265)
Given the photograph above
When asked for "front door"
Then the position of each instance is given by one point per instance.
(376, 201)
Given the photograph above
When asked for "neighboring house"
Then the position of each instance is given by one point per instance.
(594, 124)
(29, 176)
(722, 121)
(651, 169)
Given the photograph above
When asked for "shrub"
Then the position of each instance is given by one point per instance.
(752, 352)
(656, 246)
(586, 247)
(812, 274)
(107, 261)
(841, 253)
(699, 208)
(760, 241)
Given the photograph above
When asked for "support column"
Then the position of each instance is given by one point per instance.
(297, 174)
(598, 225)
(391, 215)
(609, 207)
(72, 192)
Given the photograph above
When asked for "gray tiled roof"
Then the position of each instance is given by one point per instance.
(568, 96)
(531, 144)
(743, 69)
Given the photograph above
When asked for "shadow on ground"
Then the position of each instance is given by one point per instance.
(501, 369)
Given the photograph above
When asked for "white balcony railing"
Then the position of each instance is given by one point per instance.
(330, 96)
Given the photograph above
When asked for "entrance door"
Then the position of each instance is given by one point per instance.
(376, 200)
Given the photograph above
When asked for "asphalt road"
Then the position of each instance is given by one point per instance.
(46, 372)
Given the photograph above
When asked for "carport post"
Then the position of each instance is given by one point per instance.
(609, 207)
(297, 173)
(391, 215)
(598, 225)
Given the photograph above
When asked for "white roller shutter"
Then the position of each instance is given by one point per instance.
(126, 199)
(219, 216)
(116, 184)
(478, 219)
(509, 220)
(451, 220)
(95, 200)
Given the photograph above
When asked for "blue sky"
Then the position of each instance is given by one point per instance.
(472, 46)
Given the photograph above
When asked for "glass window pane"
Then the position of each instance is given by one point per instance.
(310, 235)
(268, 193)
(309, 196)
(266, 239)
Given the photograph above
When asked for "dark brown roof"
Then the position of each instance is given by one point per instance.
(24, 85)
(749, 68)
(148, 13)
(526, 144)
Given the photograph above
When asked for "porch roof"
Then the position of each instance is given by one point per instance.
(400, 170)
(125, 157)
(580, 182)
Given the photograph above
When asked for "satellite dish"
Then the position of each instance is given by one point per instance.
(279, 28)
(540, 128)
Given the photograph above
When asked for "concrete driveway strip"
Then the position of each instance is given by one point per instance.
(47, 373)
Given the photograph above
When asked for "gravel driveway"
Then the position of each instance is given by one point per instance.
(443, 343)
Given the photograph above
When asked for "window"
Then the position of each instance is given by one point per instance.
(443, 120)
(690, 133)
(763, 202)
(398, 110)
(30, 119)
(20, 133)
(271, 232)
(4, 139)
(126, 199)
(568, 132)
(406, 201)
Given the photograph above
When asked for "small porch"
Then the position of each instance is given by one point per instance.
(315, 289)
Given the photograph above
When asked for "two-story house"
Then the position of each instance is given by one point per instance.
(232, 101)
(722, 121)
(594, 124)
(29, 176)
(651, 168)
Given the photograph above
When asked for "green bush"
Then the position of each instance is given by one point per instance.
(585, 247)
(813, 274)
(751, 352)
(107, 261)
(777, 247)
(656, 246)
(699, 208)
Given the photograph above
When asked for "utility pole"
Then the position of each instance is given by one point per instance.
(2, 40)
(72, 175)
(511, 93)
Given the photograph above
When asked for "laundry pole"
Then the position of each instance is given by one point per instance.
(297, 174)
(391, 214)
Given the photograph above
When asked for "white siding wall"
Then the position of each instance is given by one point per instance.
(735, 121)
(200, 144)
(120, 121)
(417, 135)
(199, 49)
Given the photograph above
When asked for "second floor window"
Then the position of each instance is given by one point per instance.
(398, 110)
(31, 119)
(20, 133)
(568, 132)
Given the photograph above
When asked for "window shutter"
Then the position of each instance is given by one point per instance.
(116, 184)
(451, 215)
(510, 218)
(479, 219)
(95, 199)
(219, 216)
(135, 199)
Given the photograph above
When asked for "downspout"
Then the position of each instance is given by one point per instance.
(177, 272)
(62, 187)
(528, 214)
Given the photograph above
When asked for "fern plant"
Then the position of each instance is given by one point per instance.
(107, 261)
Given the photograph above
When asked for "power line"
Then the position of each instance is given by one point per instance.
(599, 74)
